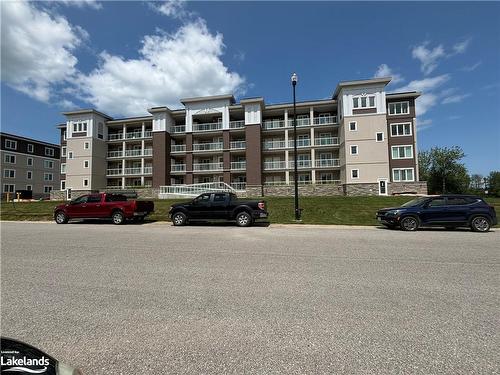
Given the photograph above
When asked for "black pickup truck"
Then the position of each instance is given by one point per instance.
(218, 206)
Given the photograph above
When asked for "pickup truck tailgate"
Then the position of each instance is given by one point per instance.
(145, 206)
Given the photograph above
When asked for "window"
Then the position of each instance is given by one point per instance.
(380, 137)
(63, 167)
(64, 135)
(9, 188)
(10, 144)
(29, 162)
(402, 174)
(29, 175)
(48, 164)
(398, 130)
(354, 150)
(402, 152)
(70, 154)
(79, 127)
(9, 173)
(29, 187)
(81, 199)
(48, 177)
(458, 201)
(353, 126)
(100, 130)
(63, 184)
(438, 202)
(30, 148)
(85, 164)
(399, 108)
(63, 151)
(49, 151)
(86, 145)
(202, 199)
(94, 199)
(85, 182)
(354, 173)
(47, 189)
(363, 101)
(11, 159)
(219, 197)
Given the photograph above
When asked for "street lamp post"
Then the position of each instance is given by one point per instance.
(295, 175)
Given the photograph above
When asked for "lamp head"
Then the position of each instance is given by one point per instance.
(294, 79)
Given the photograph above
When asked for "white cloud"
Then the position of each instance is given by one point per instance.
(186, 63)
(461, 47)
(383, 70)
(424, 124)
(81, 3)
(471, 68)
(428, 57)
(455, 98)
(428, 99)
(36, 49)
(171, 8)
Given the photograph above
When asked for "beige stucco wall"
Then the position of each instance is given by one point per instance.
(96, 155)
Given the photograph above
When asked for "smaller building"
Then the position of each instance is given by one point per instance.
(29, 164)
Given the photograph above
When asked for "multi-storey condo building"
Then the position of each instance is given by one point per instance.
(361, 141)
(28, 164)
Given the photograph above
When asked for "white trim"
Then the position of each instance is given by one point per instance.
(30, 187)
(51, 151)
(402, 123)
(31, 148)
(27, 177)
(367, 96)
(355, 126)
(63, 168)
(9, 170)
(386, 185)
(71, 155)
(64, 150)
(32, 161)
(45, 188)
(398, 147)
(13, 189)
(50, 164)
(61, 183)
(86, 145)
(403, 169)
(9, 162)
(86, 162)
(83, 182)
(357, 149)
(47, 174)
(10, 141)
(376, 137)
(352, 177)
(398, 114)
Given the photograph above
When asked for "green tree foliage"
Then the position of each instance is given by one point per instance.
(493, 183)
(443, 171)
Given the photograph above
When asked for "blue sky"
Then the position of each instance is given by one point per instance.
(122, 57)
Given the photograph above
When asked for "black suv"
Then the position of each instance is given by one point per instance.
(448, 211)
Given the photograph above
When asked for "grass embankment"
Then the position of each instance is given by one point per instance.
(316, 210)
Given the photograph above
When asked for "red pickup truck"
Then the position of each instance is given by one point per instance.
(103, 206)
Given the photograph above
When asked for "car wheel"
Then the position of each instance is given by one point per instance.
(243, 219)
(480, 224)
(118, 217)
(179, 219)
(61, 218)
(409, 223)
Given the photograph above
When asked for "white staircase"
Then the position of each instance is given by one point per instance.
(180, 191)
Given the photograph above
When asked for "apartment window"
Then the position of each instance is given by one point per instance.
(100, 130)
(85, 164)
(363, 101)
(399, 108)
(402, 174)
(380, 137)
(403, 129)
(29, 175)
(47, 189)
(9, 188)
(9, 173)
(402, 152)
(48, 176)
(31, 148)
(11, 159)
(29, 162)
(79, 127)
(29, 187)
(10, 144)
(63, 167)
(85, 182)
(86, 145)
(70, 154)
(63, 184)
(64, 135)
(63, 151)
(49, 151)
(354, 173)
(354, 150)
(353, 126)
(48, 164)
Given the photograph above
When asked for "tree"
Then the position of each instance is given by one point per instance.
(477, 183)
(441, 168)
(493, 182)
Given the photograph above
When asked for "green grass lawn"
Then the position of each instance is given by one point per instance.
(316, 210)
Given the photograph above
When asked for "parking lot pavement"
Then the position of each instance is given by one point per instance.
(157, 299)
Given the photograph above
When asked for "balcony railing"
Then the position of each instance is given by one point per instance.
(133, 152)
(327, 163)
(300, 122)
(300, 164)
(325, 120)
(148, 152)
(178, 168)
(301, 182)
(133, 135)
(239, 185)
(114, 171)
(115, 136)
(274, 124)
(148, 170)
(134, 170)
(148, 134)
(177, 148)
(270, 165)
(206, 127)
(115, 154)
(208, 166)
(236, 124)
(238, 145)
(272, 145)
(208, 146)
(327, 141)
(179, 129)
(300, 143)
(129, 171)
(238, 165)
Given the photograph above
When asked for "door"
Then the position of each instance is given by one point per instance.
(94, 206)
(382, 186)
(457, 209)
(77, 207)
(219, 206)
(200, 208)
(435, 211)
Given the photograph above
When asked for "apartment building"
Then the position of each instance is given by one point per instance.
(361, 141)
(28, 164)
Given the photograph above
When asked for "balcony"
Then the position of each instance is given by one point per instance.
(301, 164)
(327, 163)
(301, 143)
(238, 165)
(300, 122)
(177, 148)
(238, 145)
(147, 152)
(274, 124)
(272, 165)
(179, 129)
(136, 152)
(236, 124)
(325, 120)
(273, 145)
(115, 136)
(133, 171)
(114, 171)
(206, 127)
(148, 170)
(208, 167)
(148, 134)
(178, 168)
(129, 171)
(208, 146)
(115, 154)
(327, 141)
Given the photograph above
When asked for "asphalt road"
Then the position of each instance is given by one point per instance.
(156, 299)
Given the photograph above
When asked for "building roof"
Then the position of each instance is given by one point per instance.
(401, 95)
(88, 110)
(361, 82)
(28, 139)
(208, 98)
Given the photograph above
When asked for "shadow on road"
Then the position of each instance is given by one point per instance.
(433, 229)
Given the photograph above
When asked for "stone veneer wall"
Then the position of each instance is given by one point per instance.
(419, 187)
(288, 190)
(58, 195)
(360, 189)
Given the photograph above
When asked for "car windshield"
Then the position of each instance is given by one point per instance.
(414, 202)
